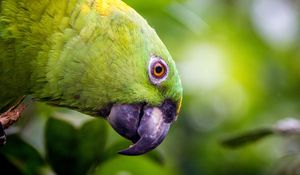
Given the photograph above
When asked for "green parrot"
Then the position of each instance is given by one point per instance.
(98, 57)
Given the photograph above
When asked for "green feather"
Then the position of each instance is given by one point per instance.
(81, 54)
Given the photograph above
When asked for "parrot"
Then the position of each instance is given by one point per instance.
(97, 57)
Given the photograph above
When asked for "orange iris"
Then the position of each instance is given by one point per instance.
(159, 70)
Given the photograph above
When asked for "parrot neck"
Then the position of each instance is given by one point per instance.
(29, 39)
(34, 34)
(43, 41)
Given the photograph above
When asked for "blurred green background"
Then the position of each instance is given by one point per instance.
(239, 63)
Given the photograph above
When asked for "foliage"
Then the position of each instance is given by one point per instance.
(71, 149)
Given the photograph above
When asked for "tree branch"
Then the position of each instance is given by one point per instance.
(13, 114)
(283, 127)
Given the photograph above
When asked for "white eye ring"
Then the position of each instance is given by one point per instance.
(158, 70)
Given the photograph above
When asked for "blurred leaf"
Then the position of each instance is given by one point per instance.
(112, 150)
(76, 149)
(156, 156)
(138, 165)
(20, 155)
(61, 145)
(92, 139)
(246, 138)
(7, 167)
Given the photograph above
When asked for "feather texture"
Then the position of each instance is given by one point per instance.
(83, 54)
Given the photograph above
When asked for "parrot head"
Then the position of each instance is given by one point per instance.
(147, 120)
(129, 77)
(145, 87)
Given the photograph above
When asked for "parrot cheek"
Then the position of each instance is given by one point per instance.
(144, 125)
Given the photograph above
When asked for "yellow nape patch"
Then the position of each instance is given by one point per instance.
(105, 7)
(85, 9)
(179, 103)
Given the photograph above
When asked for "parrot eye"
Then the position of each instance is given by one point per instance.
(158, 70)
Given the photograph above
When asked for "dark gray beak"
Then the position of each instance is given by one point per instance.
(144, 125)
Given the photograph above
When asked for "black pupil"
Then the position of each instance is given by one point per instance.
(158, 69)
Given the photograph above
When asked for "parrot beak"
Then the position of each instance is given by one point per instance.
(144, 125)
